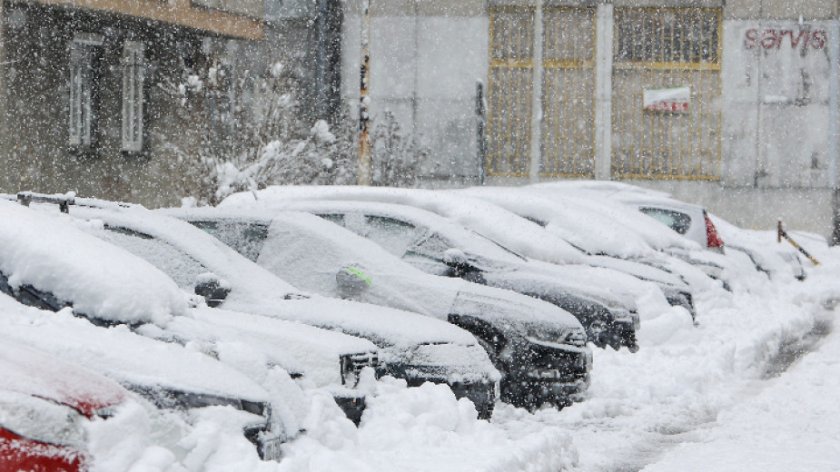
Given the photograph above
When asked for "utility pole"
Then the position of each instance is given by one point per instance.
(364, 100)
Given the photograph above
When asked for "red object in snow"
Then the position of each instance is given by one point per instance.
(19, 453)
(713, 240)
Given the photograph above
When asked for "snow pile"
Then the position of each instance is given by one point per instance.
(683, 376)
(101, 280)
(423, 429)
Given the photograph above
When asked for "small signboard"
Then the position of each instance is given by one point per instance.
(671, 100)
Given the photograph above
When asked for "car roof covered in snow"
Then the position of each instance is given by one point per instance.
(591, 231)
(128, 358)
(311, 250)
(491, 221)
(47, 252)
(256, 290)
(625, 218)
(32, 372)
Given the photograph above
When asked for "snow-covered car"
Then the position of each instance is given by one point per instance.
(167, 375)
(612, 228)
(411, 346)
(602, 244)
(44, 404)
(252, 344)
(439, 246)
(774, 258)
(539, 348)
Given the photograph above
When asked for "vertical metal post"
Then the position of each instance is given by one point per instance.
(481, 125)
(603, 90)
(364, 176)
(536, 98)
(834, 126)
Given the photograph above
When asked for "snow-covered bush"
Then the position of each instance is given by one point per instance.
(258, 135)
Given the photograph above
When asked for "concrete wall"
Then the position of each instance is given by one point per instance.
(424, 67)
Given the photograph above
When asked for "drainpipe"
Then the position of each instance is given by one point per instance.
(833, 131)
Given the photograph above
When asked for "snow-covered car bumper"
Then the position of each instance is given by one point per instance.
(481, 391)
(551, 373)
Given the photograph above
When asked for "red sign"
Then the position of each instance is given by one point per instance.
(774, 38)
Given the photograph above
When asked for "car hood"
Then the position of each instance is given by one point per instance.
(509, 308)
(382, 325)
(253, 344)
(537, 277)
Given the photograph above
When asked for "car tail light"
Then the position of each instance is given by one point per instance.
(18, 453)
(42, 421)
(713, 240)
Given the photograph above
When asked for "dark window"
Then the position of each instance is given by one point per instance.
(85, 50)
(246, 238)
(394, 235)
(133, 68)
(336, 218)
(181, 267)
(679, 222)
(667, 35)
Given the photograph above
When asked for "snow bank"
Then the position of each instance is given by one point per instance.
(423, 429)
(101, 280)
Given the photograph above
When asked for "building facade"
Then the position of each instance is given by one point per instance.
(733, 104)
(95, 94)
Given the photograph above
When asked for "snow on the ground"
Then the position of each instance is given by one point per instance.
(640, 406)
(693, 398)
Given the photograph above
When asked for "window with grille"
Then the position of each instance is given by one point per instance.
(684, 35)
(133, 69)
(84, 54)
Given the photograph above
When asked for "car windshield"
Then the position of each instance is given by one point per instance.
(176, 264)
(247, 238)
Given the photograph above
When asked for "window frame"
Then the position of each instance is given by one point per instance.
(85, 51)
(133, 97)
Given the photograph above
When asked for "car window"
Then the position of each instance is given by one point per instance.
(394, 235)
(178, 265)
(333, 218)
(677, 221)
(245, 237)
(432, 247)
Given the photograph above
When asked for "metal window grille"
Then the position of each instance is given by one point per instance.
(664, 48)
(568, 125)
(567, 142)
(510, 90)
(82, 110)
(133, 69)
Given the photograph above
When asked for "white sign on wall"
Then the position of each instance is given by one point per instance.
(670, 100)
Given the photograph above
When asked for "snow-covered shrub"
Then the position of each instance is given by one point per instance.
(397, 158)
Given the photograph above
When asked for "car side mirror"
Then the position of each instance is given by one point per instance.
(352, 281)
(212, 288)
(455, 258)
